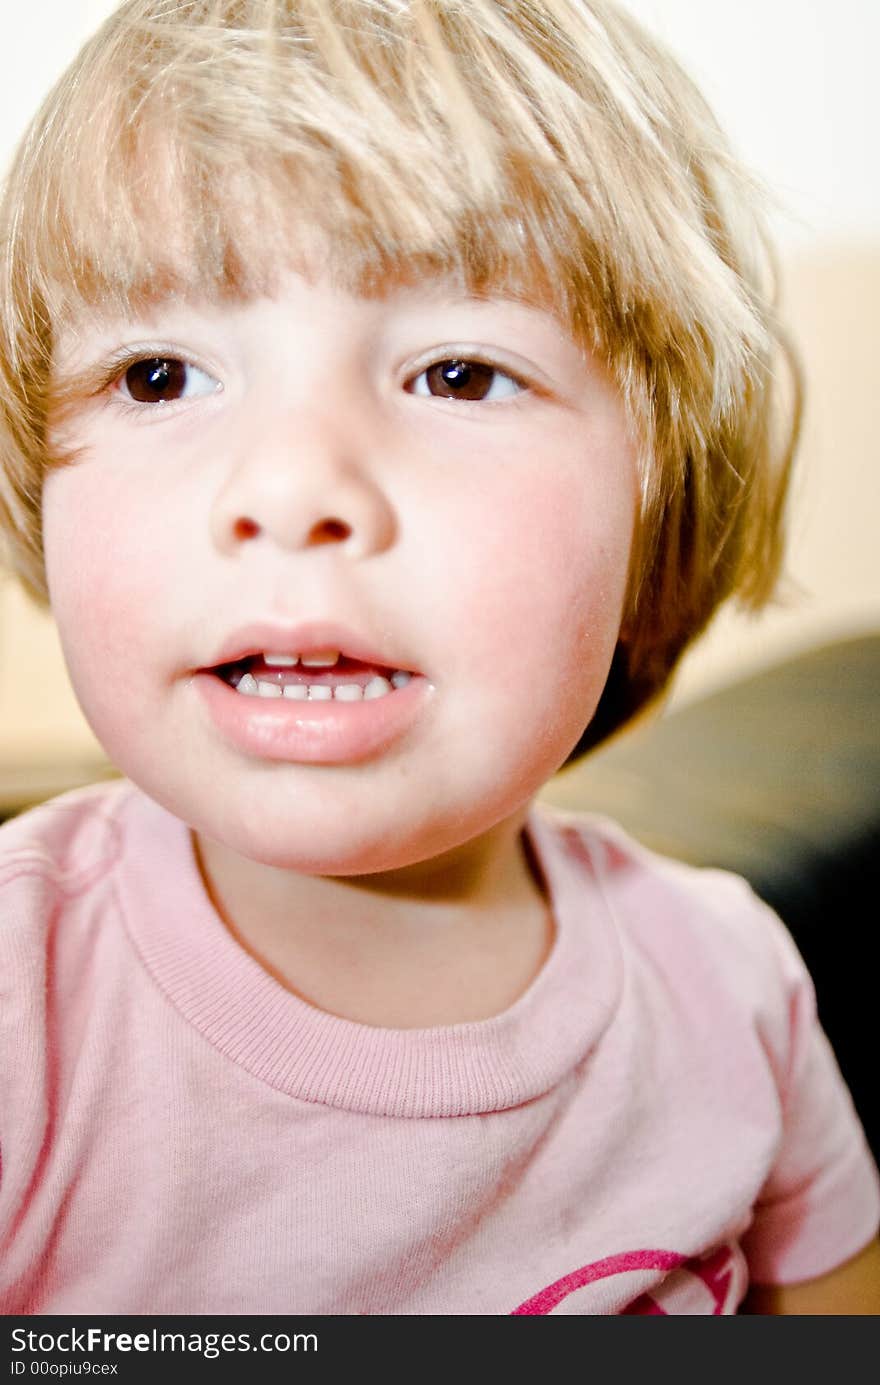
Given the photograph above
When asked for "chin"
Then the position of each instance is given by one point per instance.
(312, 845)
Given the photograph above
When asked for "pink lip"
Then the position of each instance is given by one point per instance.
(306, 638)
(312, 733)
(319, 733)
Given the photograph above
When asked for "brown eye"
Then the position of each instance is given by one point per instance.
(162, 380)
(155, 381)
(461, 379)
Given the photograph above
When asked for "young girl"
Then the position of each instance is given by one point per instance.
(390, 393)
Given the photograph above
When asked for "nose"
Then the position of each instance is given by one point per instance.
(300, 483)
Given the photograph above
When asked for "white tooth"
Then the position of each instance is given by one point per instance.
(377, 687)
(320, 692)
(248, 685)
(322, 658)
(400, 679)
(298, 691)
(348, 692)
(279, 660)
(268, 689)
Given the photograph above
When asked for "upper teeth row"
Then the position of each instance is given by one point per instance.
(321, 658)
(322, 692)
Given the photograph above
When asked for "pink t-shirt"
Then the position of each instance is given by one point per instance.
(654, 1120)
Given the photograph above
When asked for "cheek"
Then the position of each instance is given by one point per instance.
(105, 585)
(539, 569)
(532, 578)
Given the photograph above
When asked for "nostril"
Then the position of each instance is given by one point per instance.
(330, 531)
(245, 528)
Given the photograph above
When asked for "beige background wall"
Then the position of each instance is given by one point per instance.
(790, 80)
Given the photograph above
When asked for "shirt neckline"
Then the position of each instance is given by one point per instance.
(279, 1038)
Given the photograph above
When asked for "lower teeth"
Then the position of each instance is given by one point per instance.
(323, 692)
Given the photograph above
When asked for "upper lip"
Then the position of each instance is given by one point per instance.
(275, 637)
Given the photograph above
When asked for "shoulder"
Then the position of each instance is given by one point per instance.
(699, 934)
(63, 835)
(657, 901)
(705, 959)
(57, 866)
(57, 853)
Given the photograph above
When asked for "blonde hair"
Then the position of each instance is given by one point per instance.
(547, 149)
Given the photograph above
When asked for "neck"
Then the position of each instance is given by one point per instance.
(455, 938)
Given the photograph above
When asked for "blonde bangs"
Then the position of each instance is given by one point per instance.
(199, 145)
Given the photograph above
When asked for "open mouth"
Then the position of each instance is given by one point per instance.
(305, 700)
(318, 677)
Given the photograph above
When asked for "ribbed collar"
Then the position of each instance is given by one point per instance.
(449, 1070)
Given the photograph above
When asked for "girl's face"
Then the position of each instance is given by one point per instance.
(424, 483)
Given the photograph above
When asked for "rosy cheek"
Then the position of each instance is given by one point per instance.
(553, 559)
(98, 584)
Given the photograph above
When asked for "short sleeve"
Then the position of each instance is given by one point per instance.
(820, 1204)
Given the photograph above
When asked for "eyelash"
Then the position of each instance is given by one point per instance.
(110, 380)
(466, 359)
(160, 359)
(113, 377)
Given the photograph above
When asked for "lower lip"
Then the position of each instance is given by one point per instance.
(312, 733)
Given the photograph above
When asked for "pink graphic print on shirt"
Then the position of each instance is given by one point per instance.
(702, 1285)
